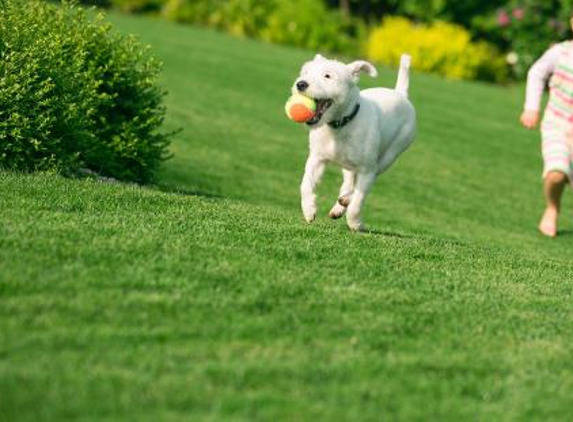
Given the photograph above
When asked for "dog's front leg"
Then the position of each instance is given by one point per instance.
(344, 195)
(364, 182)
(312, 174)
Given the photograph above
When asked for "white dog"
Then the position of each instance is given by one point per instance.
(364, 132)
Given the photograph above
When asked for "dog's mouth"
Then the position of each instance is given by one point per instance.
(321, 106)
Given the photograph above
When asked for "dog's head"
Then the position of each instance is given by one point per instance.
(332, 84)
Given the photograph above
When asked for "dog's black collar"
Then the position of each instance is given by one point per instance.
(337, 124)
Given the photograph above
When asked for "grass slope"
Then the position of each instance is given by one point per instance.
(210, 299)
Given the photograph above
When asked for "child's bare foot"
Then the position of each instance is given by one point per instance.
(548, 223)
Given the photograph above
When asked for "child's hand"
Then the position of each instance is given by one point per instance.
(530, 118)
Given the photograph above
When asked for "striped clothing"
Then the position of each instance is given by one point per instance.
(557, 125)
(560, 104)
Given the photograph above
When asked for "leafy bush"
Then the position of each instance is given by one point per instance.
(455, 11)
(526, 28)
(311, 25)
(138, 6)
(242, 17)
(291, 22)
(522, 28)
(194, 12)
(239, 17)
(98, 3)
(74, 94)
(441, 48)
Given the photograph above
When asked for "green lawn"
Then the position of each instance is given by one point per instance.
(208, 298)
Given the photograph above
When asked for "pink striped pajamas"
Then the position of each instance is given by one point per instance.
(557, 124)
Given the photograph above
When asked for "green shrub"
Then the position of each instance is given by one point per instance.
(303, 23)
(526, 28)
(191, 11)
(98, 3)
(442, 48)
(138, 6)
(310, 24)
(242, 17)
(239, 17)
(74, 94)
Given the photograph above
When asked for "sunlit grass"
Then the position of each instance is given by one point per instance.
(208, 298)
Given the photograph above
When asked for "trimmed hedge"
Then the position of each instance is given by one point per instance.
(74, 94)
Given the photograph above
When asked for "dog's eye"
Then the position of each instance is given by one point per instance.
(327, 75)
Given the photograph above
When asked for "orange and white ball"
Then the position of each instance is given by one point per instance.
(300, 108)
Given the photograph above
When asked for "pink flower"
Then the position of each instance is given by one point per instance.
(503, 18)
(518, 13)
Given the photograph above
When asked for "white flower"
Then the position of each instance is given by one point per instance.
(512, 58)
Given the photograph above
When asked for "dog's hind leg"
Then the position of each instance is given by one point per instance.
(364, 182)
(347, 188)
(344, 195)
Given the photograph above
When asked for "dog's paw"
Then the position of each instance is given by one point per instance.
(356, 225)
(309, 211)
(337, 211)
(309, 217)
(344, 200)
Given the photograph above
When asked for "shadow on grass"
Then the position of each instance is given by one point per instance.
(430, 240)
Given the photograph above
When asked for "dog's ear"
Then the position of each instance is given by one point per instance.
(319, 57)
(361, 65)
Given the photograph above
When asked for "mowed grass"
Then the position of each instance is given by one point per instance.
(208, 298)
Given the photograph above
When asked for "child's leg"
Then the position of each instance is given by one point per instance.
(556, 150)
(553, 185)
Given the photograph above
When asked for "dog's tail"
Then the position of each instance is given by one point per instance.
(403, 82)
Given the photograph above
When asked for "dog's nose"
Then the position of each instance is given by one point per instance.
(302, 85)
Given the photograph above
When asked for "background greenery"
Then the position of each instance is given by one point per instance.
(208, 297)
(439, 47)
(516, 31)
